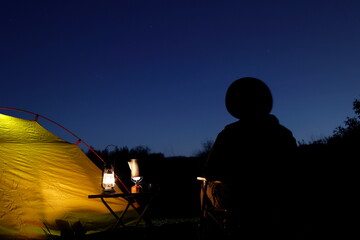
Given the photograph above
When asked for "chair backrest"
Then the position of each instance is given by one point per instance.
(211, 214)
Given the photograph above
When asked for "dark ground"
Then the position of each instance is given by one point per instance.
(180, 230)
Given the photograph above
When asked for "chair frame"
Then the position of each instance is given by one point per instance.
(211, 216)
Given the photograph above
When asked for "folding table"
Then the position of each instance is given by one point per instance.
(132, 200)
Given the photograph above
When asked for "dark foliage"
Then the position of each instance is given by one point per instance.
(327, 179)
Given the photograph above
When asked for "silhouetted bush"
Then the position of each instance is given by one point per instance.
(327, 178)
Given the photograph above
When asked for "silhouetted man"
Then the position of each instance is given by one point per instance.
(252, 157)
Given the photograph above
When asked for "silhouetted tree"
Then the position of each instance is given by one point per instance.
(140, 152)
(328, 178)
(349, 134)
(206, 147)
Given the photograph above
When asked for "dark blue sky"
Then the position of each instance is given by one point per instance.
(155, 73)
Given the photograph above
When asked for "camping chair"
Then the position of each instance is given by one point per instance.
(214, 221)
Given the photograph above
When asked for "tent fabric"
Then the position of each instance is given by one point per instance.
(45, 182)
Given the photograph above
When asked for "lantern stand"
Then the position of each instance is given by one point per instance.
(136, 178)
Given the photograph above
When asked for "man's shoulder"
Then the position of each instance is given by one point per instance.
(232, 125)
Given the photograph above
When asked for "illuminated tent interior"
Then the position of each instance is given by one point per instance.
(45, 182)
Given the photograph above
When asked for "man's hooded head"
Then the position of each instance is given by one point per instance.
(248, 97)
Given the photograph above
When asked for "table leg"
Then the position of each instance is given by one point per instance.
(141, 215)
(114, 214)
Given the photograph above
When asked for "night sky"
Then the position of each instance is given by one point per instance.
(155, 73)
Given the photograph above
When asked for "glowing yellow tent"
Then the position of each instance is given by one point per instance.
(45, 182)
